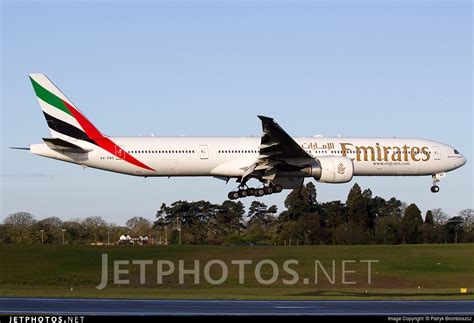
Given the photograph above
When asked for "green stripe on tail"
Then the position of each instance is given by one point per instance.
(49, 97)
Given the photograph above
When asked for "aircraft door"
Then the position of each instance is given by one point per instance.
(203, 152)
(436, 153)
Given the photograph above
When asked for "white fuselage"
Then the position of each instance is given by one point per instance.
(230, 156)
(276, 159)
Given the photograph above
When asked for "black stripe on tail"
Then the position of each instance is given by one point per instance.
(66, 128)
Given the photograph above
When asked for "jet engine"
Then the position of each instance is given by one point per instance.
(331, 169)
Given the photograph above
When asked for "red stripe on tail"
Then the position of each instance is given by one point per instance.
(104, 142)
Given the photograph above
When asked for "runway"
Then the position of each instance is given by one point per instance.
(68, 306)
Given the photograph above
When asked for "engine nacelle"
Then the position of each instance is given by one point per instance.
(331, 169)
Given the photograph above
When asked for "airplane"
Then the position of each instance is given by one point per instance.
(275, 159)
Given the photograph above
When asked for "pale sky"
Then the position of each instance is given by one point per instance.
(354, 68)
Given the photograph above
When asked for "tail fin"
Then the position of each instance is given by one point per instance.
(65, 121)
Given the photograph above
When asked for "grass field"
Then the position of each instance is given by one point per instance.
(402, 272)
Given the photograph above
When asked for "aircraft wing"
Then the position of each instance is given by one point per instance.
(276, 143)
(277, 150)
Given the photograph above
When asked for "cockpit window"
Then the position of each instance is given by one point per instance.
(456, 152)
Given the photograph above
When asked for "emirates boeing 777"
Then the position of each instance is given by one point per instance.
(277, 160)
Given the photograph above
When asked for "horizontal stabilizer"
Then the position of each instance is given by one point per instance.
(20, 148)
(60, 144)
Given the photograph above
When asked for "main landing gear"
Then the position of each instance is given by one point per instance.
(436, 180)
(258, 192)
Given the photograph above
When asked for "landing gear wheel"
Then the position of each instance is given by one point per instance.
(233, 195)
(278, 188)
(242, 193)
(268, 190)
(434, 189)
(436, 179)
(259, 192)
(250, 191)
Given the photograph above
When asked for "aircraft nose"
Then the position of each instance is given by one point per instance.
(463, 160)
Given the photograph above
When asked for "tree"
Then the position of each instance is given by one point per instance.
(114, 232)
(467, 216)
(306, 230)
(162, 212)
(200, 221)
(332, 214)
(162, 222)
(261, 223)
(468, 224)
(139, 225)
(357, 206)
(230, 222)
(51, 229)
(75, 231)
(301, 200)
(95, 228)
(393, 208)
(260, 214)
(454, 228)
(378, 206)
(162, 216)
(171, 218)
(387, 230)
(429, 233)
(353, 195)
(351, 233)
(19, 225)
(312, 194)
(4, 237)
(201, 211)
(410, 222)
(229, 217)
(429, 218)
(439, 216)
(373, 208)
(203, 222)
(403, 207)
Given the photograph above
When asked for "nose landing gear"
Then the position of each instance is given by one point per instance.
(436, 179)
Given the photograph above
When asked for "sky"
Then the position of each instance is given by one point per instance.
(198, 68)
